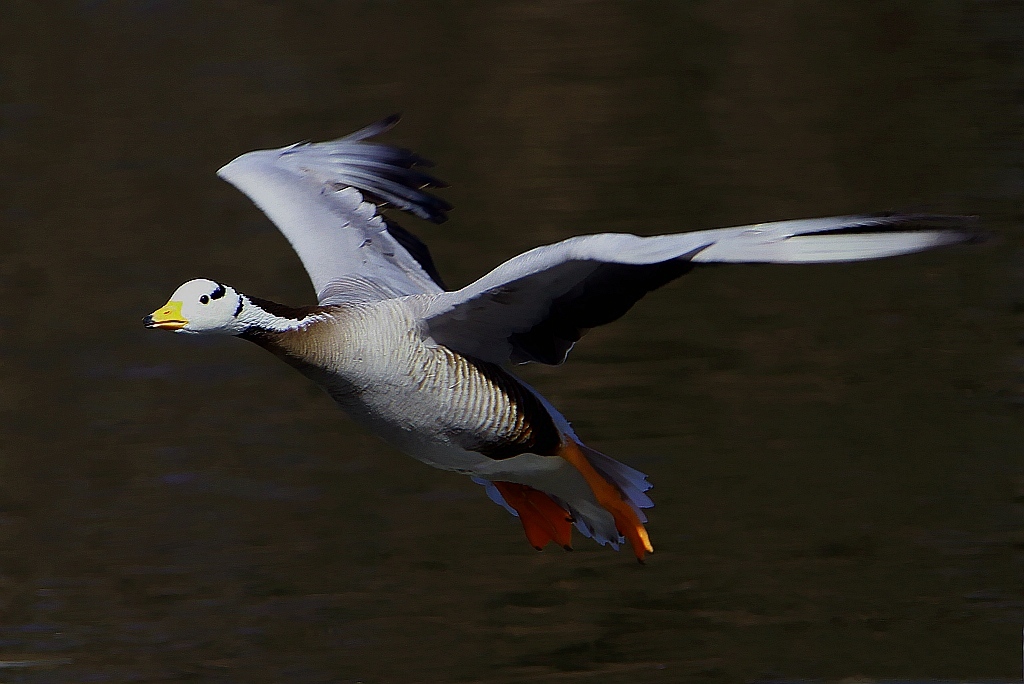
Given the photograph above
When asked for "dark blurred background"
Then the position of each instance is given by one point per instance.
(836, 450)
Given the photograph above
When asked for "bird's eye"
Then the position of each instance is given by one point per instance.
(204, 300)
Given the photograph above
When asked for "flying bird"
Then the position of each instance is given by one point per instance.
(426, 368)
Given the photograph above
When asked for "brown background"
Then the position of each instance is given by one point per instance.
(836, 450)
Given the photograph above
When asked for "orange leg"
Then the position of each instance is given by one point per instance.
(610, 498)
(543, 520)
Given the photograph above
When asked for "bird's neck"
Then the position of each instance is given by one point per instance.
(264, 318)
(302, 337)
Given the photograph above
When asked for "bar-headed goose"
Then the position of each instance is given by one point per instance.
(425, 368)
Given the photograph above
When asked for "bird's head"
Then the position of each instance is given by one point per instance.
(200, 307)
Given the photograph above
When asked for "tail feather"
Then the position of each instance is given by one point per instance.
(594, 522)
(610, 512)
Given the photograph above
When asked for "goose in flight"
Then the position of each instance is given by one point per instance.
(426, 368)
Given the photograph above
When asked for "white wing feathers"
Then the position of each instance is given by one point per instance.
(326, 199)
(834, 239)
(535, 306)
(322, 197)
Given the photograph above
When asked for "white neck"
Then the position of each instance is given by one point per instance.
(253, 315)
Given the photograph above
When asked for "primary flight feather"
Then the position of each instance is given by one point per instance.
(426, 368)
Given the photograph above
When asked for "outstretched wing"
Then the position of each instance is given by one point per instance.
(535, 306)
(326, 199)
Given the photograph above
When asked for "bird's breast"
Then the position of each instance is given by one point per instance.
(377, 365)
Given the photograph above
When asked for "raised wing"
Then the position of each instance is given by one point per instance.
(535, 306)
(326, 199)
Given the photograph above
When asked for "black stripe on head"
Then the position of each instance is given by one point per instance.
(218, 292)
(239, 309)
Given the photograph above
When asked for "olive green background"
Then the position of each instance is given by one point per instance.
(836, 450)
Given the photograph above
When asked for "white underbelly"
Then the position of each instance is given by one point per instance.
(412, 432)
(433, 404)
(551, 474)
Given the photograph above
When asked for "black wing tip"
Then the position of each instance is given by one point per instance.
(397, 163)
(935, 219)
(436, 217)
(437, 212)
(966, 227)
(977, 237)
(372, 130)
(384, 125)
(420, 204)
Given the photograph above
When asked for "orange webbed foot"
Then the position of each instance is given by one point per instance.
(627, 521)
(543, 520)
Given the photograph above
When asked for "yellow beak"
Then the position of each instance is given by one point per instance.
(169, 317)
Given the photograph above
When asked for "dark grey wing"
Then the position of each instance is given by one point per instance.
(326, 199)
(536, 306)
(603, 296)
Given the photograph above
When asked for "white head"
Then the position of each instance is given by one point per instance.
(201, 307)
